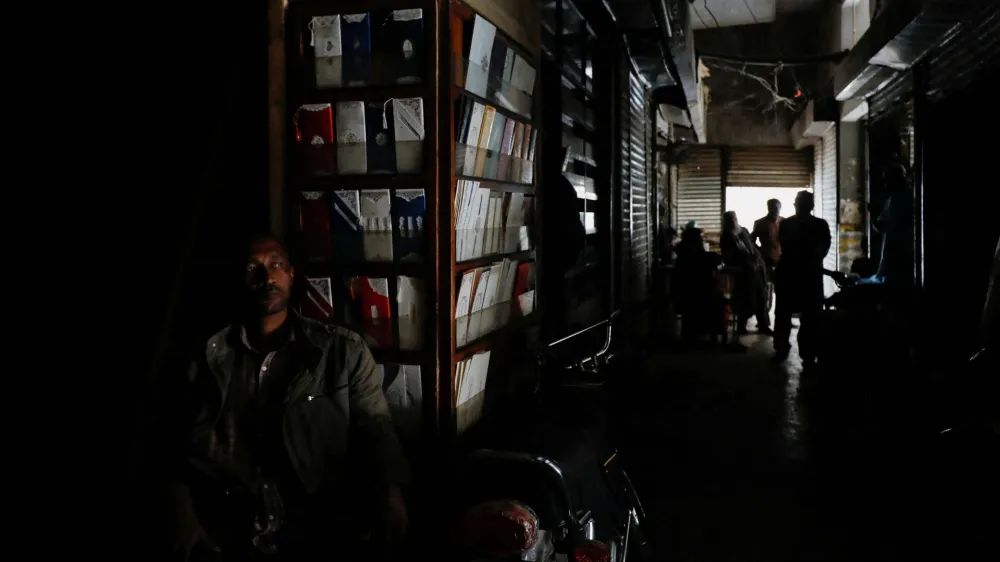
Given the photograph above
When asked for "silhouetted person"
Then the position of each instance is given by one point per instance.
(864, 267)
(805, 241)
(565, 242)
(896, 267)
(695, 291)
(280, 438)
(667, 236)
(749, 295)
(765, 230)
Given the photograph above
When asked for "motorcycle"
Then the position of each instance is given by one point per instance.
(553, 487)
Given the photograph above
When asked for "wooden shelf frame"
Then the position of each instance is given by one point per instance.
(292, 84)
(499, 338)
(300, 89)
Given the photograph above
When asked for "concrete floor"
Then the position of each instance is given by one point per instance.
(740, 458)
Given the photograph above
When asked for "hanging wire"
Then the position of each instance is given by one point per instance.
(709, 10)
(749, 9)
(697, 13)
(785, 62)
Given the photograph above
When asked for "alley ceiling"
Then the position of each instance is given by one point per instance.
(707, 14)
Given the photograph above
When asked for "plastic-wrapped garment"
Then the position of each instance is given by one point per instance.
(543, 550)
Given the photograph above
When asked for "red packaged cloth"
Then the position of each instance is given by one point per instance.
(314, 225)
(314, 134)
(376, 314)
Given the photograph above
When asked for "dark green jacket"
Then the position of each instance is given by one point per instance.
(334, 405)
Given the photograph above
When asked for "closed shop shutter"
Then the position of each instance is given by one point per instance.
(699, 192)
(673, 195)
(642, 193)
(768, 167)
(625, 180)
(827, 203)
(973, 50)
(636, 192)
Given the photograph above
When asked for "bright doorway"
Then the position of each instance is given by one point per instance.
(750, 203)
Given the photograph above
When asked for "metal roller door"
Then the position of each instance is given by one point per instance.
(768, 167)
(827, 203)
(700, 192)
(635, 190)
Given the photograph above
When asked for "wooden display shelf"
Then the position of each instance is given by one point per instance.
(375, 92)
(502, 185)
(298, 87)
(293, 85)
(515, 327)
(364, 181)
(402, 356)
(459, 92)
(487, 341)
(316, 268)
(521, 256)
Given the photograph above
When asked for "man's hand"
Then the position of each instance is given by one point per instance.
(392, 525)
(395, 517)
(186, 531)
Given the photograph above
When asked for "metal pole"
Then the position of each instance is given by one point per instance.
(919, 115)
(917, 150)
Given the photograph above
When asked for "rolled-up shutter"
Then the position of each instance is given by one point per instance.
(636, 192)
(699, 192)
(768, 167)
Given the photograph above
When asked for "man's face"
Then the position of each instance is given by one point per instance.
(774, 209)
(268, 280)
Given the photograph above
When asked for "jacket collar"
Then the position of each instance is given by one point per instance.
(304, 332)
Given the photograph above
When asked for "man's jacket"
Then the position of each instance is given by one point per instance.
(805, 242)
(334, 404)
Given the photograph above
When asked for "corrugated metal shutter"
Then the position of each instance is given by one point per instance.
(898, 92)
(625, 181)
(635, 189)
(768, 167)
(673, 194)
(974, 50)
(642, 193)
(827, 203)
(699, 192)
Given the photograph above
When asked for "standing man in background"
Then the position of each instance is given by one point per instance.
(765, 233)
(896, 266)
(805, 241)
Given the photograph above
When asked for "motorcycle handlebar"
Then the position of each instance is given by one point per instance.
(546, 464)
(609, 323)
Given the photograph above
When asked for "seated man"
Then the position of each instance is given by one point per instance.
(267, 427)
